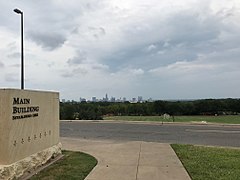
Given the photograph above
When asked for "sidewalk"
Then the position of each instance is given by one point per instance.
(130, 160)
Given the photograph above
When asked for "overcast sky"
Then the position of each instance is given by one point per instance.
(164, 49)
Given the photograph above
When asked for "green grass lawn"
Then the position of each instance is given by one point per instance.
(202, 163)
(74, 165)
(209, 163)
(212, 119)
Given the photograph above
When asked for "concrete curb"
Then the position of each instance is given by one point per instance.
(154, 122)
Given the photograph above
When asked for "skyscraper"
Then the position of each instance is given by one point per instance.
(106, 98)
(94, 99)
(140, 99)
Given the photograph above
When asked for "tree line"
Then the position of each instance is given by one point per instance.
(96, 110)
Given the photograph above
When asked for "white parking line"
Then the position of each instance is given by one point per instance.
(212, 131)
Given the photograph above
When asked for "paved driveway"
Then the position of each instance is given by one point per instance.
(153, 132)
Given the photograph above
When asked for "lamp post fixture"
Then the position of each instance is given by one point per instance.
(22, 60)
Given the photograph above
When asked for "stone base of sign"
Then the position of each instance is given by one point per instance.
(29, 164)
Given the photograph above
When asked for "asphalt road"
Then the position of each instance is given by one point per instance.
(166, 133)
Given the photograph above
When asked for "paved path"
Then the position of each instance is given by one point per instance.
(129, 160)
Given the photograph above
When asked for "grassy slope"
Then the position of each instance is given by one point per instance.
(74, 165)
(209, 163)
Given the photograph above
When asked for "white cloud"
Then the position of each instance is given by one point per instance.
(183, 68)
(1, 65)
(11, 77)
(125, 48)
(151, 47)
(137, 71)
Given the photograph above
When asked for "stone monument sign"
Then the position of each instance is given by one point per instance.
(29, 125)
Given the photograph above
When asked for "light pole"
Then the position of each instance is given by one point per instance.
(22, 60)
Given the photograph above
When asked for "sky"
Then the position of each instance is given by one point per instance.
(163, 49)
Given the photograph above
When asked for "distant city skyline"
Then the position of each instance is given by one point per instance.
(107, 98)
